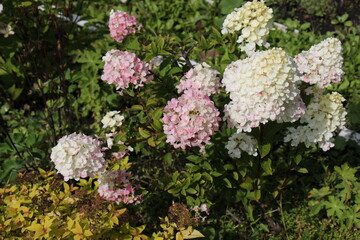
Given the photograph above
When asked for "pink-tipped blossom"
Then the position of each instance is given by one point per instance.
(201, 77)
(122, 24)
(322, 63)
(123, 68)
(190, 120)
(116, 187)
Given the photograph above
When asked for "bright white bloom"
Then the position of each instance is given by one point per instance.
(262, 88)
(112, 120)
(252, 20)
(78, 156)
(322, 63)
(1, 7)
(201, 77)
(325, 114)
(241, 142)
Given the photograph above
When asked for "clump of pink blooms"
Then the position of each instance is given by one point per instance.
(201, 77)
(123, 68)
(78, 156)
(190, 120)
(122, 24)
(115, 186)
(262, 87)
(322, 63)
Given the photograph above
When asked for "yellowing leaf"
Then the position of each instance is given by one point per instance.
(87, 233)
(77, 230)
(179, 236)
(66, 187)
(37, 228)
(115, 220)
(190, 234)
(70, 223)
(120, 212)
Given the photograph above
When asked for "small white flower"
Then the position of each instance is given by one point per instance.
(241, 142)
(112, 120)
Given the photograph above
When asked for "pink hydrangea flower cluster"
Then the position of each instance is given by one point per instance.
(122, 24)
(262, 87)
(201, 77)
(322, 63)
(78, 156)
(116, 187)
(123, 68)
(190, 120)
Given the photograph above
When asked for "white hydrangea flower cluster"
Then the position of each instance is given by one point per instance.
(78, 156)
(112, 120)
(241, 142)
(322, 63)
(201, 77)
(262, 88)
(325, 114)
(252, 20)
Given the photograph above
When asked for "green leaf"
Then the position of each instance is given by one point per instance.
(144, 133)
(265, 150)
(194, 159)
(266, 166)
(227, 6)
(113, 99)
(246, 185)
(157, 113)
(257, 195)
(25, 4)
(317, 194)
(191, 191)
(137, 107)
(168, 158)
(151, 142)
(175, 176)
(227, 183)
(334, 207)
(301, 170)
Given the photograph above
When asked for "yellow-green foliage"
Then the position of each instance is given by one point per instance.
(43, 206)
